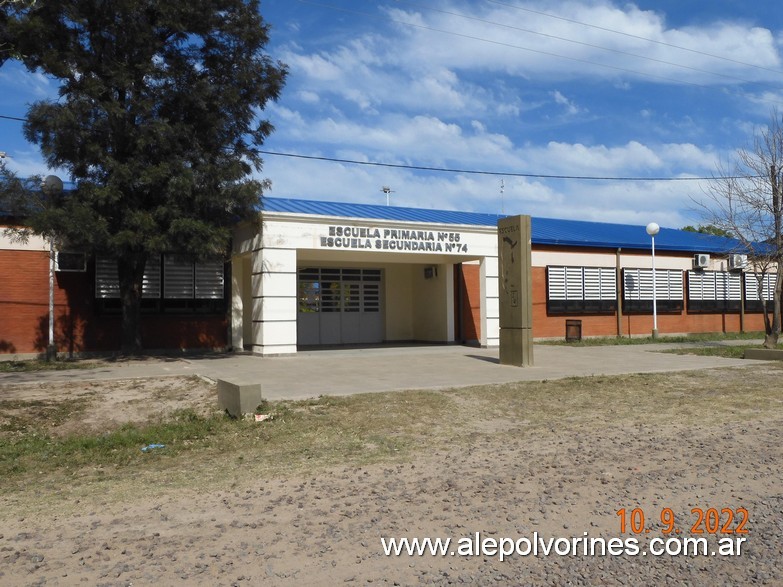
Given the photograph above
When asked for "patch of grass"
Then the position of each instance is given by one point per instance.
(704, 396)
(20, 416)
(725, 351)
(38, 365)
(264, 407)
(329, 429)
(207, 451)
(689, 338)
(122, 447)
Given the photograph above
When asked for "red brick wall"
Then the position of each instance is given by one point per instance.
(24, 290)
(24, 300)
(24, 313)
(546, 326)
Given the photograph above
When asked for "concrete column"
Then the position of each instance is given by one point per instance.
(274, 302)
(237, 306)
(490, 303)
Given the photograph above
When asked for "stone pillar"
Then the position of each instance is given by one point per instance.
(515, 291)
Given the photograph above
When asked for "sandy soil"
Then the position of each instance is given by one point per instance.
(327, 529)
(97, 406)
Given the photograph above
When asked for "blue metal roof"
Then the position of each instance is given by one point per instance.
(546, 231)
(574, 233)
(376, 212)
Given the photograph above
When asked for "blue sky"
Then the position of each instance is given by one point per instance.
(609, 89)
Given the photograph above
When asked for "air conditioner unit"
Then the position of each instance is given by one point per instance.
(701, 261)
(67, 261)
(737, 261)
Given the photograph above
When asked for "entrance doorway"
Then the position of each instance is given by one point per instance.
(339, 306)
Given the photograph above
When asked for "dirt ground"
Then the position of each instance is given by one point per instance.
(97, 406)
(505, 479)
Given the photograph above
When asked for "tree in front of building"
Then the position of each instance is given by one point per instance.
(159, 122)
(710, 229)
(745, 198)
(16, 197)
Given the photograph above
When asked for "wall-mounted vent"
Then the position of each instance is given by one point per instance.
(68, 261)
(737, 262)
(701, 261)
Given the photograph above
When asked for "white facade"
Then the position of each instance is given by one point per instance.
(415, 262)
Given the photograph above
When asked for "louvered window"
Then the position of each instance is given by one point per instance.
(581, 290)
(209, 280)
(755, 295)
(176, 284)
(177, 278)
(151, 282)
(107, 281)
(714, 291)
(638, 290)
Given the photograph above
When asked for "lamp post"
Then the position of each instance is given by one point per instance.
(652, 230)
(387, 190)
(52, 186)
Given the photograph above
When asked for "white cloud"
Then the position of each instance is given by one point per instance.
(397, 137)
(579, 159)
(428, 141)
(688, 156)
(308, 97)
(628, 202)
(387, 92)
(28, 162)
(425, 98)
(764, 102)
(560, 99)
(317, 68)
(410, 71)
(33, 86)
(523, 43)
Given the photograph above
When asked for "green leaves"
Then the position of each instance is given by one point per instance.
(158, 108)
(158, 120)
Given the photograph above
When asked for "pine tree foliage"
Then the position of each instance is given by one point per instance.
(159, 120)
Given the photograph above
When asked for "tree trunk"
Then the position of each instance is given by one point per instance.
(771, 340)
(131, 273)
(760, 279)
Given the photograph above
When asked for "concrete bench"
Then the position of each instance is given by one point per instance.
(764, 354)
(238, 398)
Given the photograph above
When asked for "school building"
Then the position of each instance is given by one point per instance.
(309, 273)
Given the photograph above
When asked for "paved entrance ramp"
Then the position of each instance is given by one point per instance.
(345, 372)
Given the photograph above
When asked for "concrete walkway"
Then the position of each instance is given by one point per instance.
(344, 372)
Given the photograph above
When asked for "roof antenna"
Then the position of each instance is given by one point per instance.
(387, 190)
(502, 189)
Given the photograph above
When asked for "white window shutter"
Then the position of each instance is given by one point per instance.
(177, 277)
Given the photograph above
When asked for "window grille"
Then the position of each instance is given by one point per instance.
(581, 290)
(339, 290)
(638, 290)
